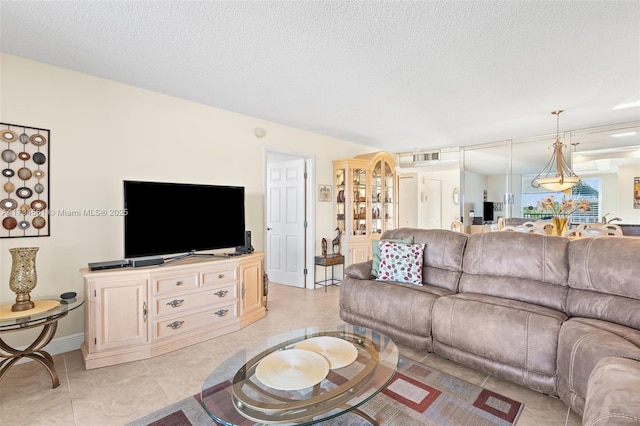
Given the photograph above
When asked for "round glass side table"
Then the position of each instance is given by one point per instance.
(46, 313)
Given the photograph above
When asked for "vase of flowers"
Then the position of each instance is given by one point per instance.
(561, 211)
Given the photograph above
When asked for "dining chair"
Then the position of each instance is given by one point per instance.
(587, 232)
(547, 225)
(525, 228)
(596, 225)
(456, 226)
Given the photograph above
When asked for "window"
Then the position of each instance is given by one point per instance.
(588, 189)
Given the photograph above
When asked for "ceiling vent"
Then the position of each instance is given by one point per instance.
(413, 159)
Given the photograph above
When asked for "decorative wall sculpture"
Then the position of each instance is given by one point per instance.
(24, 195)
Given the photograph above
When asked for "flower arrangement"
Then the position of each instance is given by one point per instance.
(563, 209)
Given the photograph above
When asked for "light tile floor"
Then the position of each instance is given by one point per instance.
(119, 394)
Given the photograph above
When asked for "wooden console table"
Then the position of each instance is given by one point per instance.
(138, 313)
(48, 319)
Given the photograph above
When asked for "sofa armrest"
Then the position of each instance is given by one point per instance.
(612, 393)
(359, 271)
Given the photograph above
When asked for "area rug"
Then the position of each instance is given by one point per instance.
(417, 395)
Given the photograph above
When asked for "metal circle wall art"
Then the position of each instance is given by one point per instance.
(9, 155)
(24, 193)
(38, 222)
(24, 173)
(9, 223)
(24, 178)
(38, 140)
(39, 158)
(38, 205)
(8, 135)
(8, 204)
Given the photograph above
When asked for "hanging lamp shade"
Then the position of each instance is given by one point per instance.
(557, 174)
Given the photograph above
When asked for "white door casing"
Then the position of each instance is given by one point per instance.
(285, 222)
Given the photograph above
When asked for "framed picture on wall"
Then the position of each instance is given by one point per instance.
(636, 193)
(324, 193)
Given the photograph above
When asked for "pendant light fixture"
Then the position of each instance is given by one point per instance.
(557, 174)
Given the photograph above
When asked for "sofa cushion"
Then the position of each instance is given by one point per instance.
(401, 311)
(514, 340)
(582, 343)
(605, 279)
(443, 254)
(401, 262)
(612, 393)
(375, 252)
(529, 268)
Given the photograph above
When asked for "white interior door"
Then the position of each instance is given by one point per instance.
(408, 197)
(285, 222)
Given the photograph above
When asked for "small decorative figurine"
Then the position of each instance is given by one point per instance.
(324, 247)
(336, 242)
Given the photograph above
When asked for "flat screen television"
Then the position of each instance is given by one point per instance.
(177, 218)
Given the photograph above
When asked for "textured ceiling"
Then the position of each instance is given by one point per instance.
(396, 75)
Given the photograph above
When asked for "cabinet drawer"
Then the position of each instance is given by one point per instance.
(182, 324)
(220, 275)
(184, 302)
(172, 283)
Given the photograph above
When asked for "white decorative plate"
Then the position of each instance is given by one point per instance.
(338, 352)
(292, 369)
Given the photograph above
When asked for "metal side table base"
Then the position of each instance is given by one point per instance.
(34, 352)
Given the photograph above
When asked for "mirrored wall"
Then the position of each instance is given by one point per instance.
(496, 178)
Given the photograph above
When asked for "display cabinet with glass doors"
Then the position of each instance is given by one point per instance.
(366, 202)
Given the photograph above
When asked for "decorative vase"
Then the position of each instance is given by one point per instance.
(559, 226)
(23, 277)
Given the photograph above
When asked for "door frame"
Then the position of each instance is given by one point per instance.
(309, 206)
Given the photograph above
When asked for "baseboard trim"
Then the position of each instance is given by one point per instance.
(60, 345)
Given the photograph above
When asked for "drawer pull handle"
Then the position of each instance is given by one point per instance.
(221, 276)
(179, 282)
(221, 312)
(175, 324)
(175, 303)
(221, 293)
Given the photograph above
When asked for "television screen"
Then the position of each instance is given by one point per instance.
(174, 218)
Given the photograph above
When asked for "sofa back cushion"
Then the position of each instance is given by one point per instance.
(605, 279)
(526, 267)
(443, 254)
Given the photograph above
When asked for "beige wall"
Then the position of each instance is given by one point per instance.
(103, 132)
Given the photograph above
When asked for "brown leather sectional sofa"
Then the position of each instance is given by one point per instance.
(559, 316)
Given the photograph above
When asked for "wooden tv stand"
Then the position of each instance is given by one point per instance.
(138, 313)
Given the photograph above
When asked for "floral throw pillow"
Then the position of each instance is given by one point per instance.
(401, 262)
(375, 250)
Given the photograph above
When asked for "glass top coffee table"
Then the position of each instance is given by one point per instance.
(301, 377)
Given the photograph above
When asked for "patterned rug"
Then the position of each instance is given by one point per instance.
(417, 395)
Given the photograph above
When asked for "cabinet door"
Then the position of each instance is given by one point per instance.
(251, 289)
(389, 210)
(383, 195)
(341, 196)
(359, 204)
(120, 314)
(359, 251)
